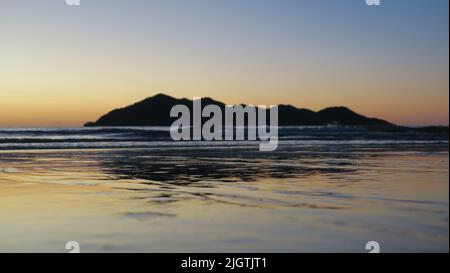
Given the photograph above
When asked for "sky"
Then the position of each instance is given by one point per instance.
(64, 66)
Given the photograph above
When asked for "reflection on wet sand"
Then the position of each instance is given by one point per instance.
(189, 167)
(317, 198)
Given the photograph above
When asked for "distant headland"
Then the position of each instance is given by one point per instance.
(155, 111)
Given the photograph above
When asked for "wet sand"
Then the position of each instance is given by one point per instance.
(211, 199)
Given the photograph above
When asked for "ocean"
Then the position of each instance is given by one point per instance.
(325, 189)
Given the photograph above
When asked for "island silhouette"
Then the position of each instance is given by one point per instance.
(155, 111)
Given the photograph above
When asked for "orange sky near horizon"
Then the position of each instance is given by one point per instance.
(59, 69)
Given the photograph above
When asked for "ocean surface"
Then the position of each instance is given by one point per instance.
(325, 189)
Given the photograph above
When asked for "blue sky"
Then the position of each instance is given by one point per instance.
(389, 61)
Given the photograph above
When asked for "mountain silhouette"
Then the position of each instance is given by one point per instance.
(155, 111)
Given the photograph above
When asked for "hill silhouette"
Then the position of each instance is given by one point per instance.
(155, 111)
